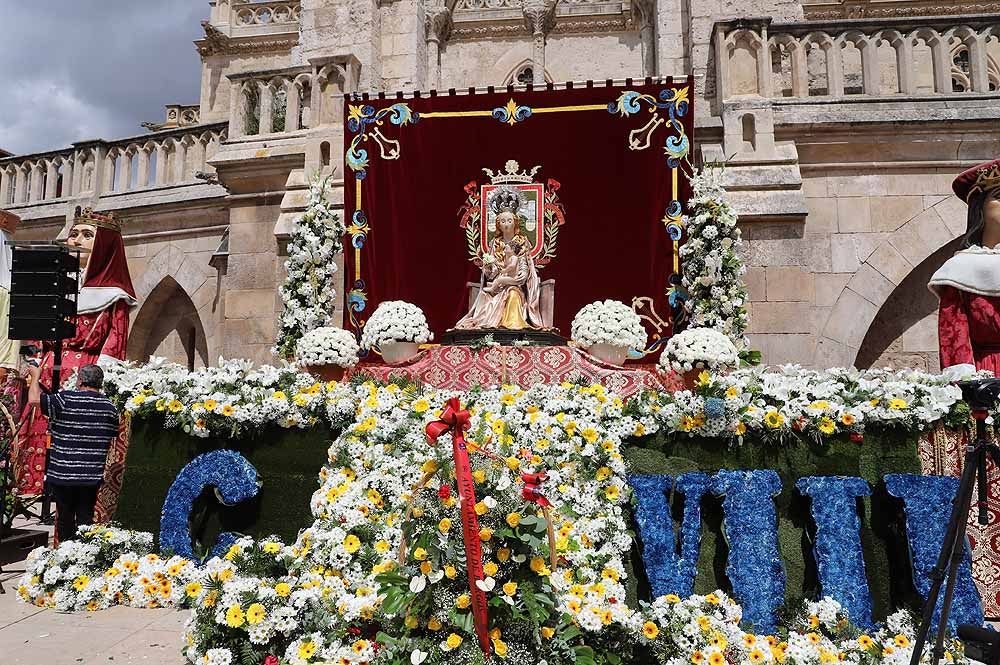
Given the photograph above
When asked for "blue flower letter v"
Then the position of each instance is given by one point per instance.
(668, 572)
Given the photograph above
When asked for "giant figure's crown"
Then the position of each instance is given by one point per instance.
(987, 179)
(105, 220)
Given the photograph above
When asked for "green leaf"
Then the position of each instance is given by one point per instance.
(584, 656)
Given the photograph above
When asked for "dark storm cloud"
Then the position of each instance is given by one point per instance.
(79, 69)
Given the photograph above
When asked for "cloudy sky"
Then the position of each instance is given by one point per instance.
(80, 69)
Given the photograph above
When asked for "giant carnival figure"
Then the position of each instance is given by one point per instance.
(968, 284)
(106, 295)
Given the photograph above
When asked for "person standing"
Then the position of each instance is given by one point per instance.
(83, 422)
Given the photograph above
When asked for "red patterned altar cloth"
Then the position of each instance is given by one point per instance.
(462, 367)
(942, 453)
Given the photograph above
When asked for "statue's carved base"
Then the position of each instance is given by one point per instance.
(504, 337)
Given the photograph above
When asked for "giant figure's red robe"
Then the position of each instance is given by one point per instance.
(968, 285)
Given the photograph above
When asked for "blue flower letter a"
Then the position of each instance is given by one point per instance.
(751, 527)
(839, 559)
(928, 501)
(226, 470)
(668, 572)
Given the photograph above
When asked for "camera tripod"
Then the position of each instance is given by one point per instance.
(982, 396)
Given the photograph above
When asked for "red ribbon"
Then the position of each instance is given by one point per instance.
(532, 490)
(456, 420)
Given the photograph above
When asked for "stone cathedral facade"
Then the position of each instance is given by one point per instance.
(842, 122)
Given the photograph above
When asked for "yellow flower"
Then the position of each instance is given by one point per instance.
(453, 641)
(749, 640)
(481, 509)
(813, 621)
(306, 650)
(756, 656)
(687, 423)
(279, 394)
(500, 648)
(485, 534)
(450, 572)
(420, 554)
(897, 404)
(227, 410)
(192, 589)
(138, 399)
(234, 616)
(704, 378)
(411, 621)
(826, 425)
(283, 589)
(731, 391)
(255, 614)
(813, 638)
(716, 659)
(510, 588)
(603, 473)
(538, 566)
(272, 548)
(444, 525)
(513, 519)
(80, 583)
(352, 544)
(712, 599)
(672, 598)
(612, 492)
(773, 419)
(848, 419)
(589, 435)
(865, 642)
(434, 624)
(650, 630)
(421, 405)
(507, 399)
(426, 568)
(462, 601)
(740, 429)
(210, 404)
(430, 466)
(697, 658)
(490, 569)
(175, 406)
(513, 463)
(547, 632)
(479, 476)
(901, 641)
(820, 405)
(503, 554)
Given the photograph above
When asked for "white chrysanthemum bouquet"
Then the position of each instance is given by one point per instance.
(608, 322)
(699, 348)
(327, 346)
(396, 321)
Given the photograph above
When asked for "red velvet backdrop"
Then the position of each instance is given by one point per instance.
(408, 161)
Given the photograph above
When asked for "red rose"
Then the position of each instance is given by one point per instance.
(271, 660)
(857, 437)
(444, 491)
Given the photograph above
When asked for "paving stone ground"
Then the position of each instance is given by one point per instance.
(34, 636)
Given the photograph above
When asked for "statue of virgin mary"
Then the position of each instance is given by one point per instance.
(510, 288)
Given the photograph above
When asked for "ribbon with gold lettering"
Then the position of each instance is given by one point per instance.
(456, 420)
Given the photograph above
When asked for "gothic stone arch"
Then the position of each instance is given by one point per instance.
(899, 255)
(168, 325)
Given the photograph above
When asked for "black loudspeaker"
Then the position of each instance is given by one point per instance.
(43, 290)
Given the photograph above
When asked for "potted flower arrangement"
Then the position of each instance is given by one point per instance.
(396, 329)
(327, 352)
(607, 330)
(698, 349)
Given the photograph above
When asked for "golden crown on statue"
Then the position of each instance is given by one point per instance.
(511, 174)
(105, 220)
(988, 178)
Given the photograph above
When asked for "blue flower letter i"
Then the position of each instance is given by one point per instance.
(928, 501)
(839, 558)
(226, 470)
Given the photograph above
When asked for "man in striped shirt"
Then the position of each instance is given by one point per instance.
(82, 424)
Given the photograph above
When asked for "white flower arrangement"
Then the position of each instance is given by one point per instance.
(608, 322)
(327, 346)
(309, 292)
(699, 348)
(396, 321)
(712, 270)
(267, 602)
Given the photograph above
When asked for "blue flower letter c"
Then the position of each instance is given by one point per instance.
(226, 470)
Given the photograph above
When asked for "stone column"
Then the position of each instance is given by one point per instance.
(142, 176)
(68, 174)
(21, 187)
(161, 163)
(5, 184)
(644, 15)
(51, 179)
(437, 24)
(540, 17)
(180, 159)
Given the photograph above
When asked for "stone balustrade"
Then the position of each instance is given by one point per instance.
(105, 167)
(288, 100)
(251, 13)
(949, 56)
